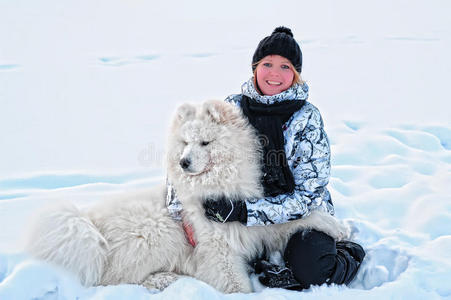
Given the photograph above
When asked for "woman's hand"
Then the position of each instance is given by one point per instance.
(225, 210)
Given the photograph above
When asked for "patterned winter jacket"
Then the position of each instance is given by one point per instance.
(308, 156)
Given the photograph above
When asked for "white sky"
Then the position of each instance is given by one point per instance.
(63, 108)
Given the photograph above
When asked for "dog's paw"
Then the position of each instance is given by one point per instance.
(160, 281)
(343, 232)
(337, 229)
(330, 225)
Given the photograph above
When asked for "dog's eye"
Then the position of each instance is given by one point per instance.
(184, 143)
(204, 143)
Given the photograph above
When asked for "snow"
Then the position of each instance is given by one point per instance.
(87, 91)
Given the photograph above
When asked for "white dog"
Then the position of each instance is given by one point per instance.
(133, 239)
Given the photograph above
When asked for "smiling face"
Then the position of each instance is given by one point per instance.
(274, 74)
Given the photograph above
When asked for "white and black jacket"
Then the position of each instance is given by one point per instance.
(308, 156)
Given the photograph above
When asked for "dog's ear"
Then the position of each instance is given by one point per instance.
(221, 112)
(185, 112)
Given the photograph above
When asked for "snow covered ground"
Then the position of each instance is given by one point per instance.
(87, 90)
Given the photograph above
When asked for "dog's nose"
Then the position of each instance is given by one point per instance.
(184, 163)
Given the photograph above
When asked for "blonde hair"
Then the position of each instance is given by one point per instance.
(296, 78)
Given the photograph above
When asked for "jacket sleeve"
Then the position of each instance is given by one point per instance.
(172, 202)
(309, 159)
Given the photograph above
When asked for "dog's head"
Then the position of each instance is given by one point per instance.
(213, 149)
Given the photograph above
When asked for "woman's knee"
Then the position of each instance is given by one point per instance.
(311, 255)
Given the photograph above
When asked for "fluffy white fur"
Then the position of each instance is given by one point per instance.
(134, 240)
(122, 240)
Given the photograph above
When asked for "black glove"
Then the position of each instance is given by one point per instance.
(226, 210)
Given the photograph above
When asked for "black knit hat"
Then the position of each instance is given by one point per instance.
(280, 42)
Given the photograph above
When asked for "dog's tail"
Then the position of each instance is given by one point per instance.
(64, 236)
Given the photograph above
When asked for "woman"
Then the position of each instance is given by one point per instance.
(296, 169)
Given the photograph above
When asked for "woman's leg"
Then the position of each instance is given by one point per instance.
(315, 258)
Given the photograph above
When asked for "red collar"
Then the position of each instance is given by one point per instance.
(189, 233)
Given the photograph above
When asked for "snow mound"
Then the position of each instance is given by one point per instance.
(390, 186)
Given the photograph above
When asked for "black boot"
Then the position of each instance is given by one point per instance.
(354, 249)
(349, 257)
(276, 276)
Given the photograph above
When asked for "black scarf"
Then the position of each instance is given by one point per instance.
(269, 119)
